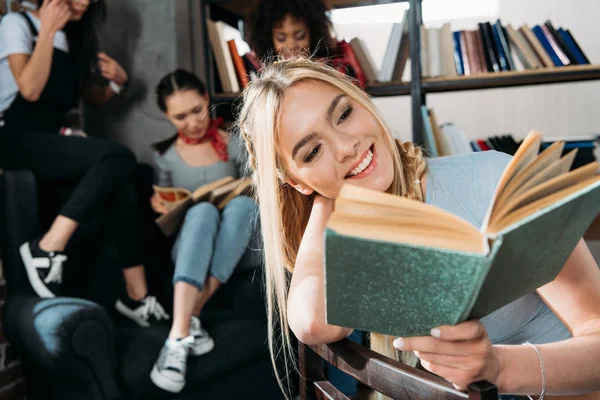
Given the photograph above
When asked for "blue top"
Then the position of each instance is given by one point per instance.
(173, 171)
(464, 185)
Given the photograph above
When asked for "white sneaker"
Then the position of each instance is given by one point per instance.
(44, 268)
(144, 312)
(203, 343)
(169, 370)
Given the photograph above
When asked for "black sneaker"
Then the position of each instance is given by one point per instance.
(144, 312)
(44, 268)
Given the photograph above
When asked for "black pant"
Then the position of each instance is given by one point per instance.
(95, 173)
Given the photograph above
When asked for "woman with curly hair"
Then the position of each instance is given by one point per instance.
(286, 28)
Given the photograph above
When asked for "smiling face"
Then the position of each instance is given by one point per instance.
(327, 139)
(188, 111)
(291, 37)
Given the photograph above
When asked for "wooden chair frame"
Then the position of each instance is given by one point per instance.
(389, 377)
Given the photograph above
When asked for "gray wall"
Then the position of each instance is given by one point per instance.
(149, 38)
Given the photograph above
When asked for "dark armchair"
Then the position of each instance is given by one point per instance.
(76, 348)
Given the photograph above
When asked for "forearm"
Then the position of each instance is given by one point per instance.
(34, 76)
(571, 367)
(306, 309)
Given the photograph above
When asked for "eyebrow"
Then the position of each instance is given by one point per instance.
(306, 139)
(303, 142)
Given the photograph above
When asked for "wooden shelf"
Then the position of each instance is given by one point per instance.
(508, 79)
(490, 80)
(399, 88)
(246, 7)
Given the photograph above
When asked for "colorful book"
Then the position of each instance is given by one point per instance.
(238, 64)
(550, 50)
(580, 57)
(458, 54)
(401, 267)
(536, 46)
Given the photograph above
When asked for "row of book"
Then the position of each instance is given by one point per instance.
(490, 48)
(446, 140)
(585, 146)
(496, 48)
(235, 63)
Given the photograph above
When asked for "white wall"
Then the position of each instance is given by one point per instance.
(555, 110)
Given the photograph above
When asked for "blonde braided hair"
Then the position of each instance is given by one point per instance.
(284, 212)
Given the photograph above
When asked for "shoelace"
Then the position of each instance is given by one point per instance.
(153, 307)
(175, 356)
(56, 267)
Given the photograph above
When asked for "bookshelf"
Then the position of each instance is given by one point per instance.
(418, 88)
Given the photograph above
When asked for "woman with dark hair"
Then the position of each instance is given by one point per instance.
(289, 28)
(210, 243)
(48, 60)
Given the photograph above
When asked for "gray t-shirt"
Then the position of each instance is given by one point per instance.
(171, 170)
(464, 185)
(16, 38)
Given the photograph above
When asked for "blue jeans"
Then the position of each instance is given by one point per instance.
(213, 243)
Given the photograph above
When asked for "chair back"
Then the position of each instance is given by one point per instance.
(382, 374)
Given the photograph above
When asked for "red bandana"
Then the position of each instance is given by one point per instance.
(216, 140)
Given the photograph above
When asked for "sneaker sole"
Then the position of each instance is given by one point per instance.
(165, 383)
(124, 310)
(34, 279)
(201, 349)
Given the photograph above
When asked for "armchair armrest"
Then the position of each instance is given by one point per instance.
(390, 377)
(66, 336)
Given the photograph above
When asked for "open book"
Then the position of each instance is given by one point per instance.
(401, 267)
(179, 200)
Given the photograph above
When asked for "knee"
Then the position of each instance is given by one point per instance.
(242, 206)
(205, 212)
(120, 154)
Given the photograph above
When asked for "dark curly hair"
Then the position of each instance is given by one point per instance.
(270, 13)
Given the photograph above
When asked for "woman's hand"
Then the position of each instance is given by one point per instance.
(461, 354)
(157, 204)
(54, 14)
(111, 70)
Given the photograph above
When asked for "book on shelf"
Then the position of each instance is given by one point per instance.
(364, 59)
(393, 54)
(238, 63)
(448, 140)
(179, 200)
(495, 47)
(232, 56)
(401, 267)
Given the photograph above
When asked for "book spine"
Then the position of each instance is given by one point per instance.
(502, 61)
(539, 33)
(506, 45)
(555, 46)
(537, 47)
(465, 56)
(429, 131)
(488, 46)
(560, 42)
(587, 61)
(353, 62)
(479, 52)
(580, 58)
(458, 54)
(238, 63)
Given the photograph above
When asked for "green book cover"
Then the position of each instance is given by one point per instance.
(405, 290)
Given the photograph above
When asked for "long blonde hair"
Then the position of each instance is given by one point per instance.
(284, 212)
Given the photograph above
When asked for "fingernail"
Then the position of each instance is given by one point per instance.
(399, 343)
(435, 332)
